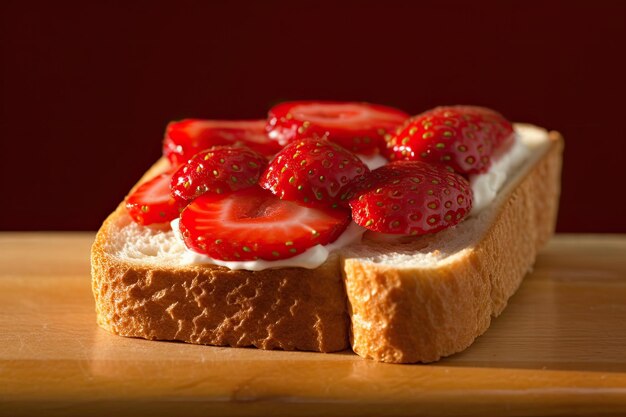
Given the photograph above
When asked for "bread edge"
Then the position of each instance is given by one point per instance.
(289, 308)
(408, 315)
(414, 306)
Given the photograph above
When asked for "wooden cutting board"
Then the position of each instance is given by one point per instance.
(558, 349)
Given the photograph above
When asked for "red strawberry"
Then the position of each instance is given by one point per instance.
(359, 127)
(185, 138)
(254, 224)
(315, 172)
(464, 137)
(412, 197)
(218, 170)
(152, 202)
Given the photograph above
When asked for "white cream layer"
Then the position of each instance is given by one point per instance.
(309, 259)
(485, 186)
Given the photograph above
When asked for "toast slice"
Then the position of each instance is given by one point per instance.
(412, 301)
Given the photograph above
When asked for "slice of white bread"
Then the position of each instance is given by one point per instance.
(412, 301)
(430, 297)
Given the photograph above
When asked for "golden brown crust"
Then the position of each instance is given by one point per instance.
(406, 315)
(286, 309)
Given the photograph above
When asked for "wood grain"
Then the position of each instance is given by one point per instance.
(558, 349)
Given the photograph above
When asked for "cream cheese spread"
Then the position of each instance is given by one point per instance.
(485, 186)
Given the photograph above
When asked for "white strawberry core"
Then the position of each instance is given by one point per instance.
(158, 192)
(236, 126)
(343, 116)
(249, 217)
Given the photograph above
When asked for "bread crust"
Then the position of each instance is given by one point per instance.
(387, 313)
(290, 308)
(406, 315)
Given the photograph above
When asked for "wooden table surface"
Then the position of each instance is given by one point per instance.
(558, 349)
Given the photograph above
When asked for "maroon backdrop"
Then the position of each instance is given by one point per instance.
(87, 88)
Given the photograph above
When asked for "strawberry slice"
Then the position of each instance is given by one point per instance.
(411, 198)
(253, 224)
(218, 170)
(185, 138)
(152, 202)
(314, 172)
(464, 137)
(359, 127)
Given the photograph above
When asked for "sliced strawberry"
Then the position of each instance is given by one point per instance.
(314, 172)
(217, 170)
(464, 137)
(411, 198)
(359, 127)
(152, 202)
(253, 224)
(185, 138)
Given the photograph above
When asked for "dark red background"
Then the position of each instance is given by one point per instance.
(87, 88)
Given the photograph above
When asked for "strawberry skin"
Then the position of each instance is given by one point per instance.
(185, 138)
(359, 127)
(314, 172)
(217, 170)
(463, 137)
(152, 202)
(411, 198)
(253, 224)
